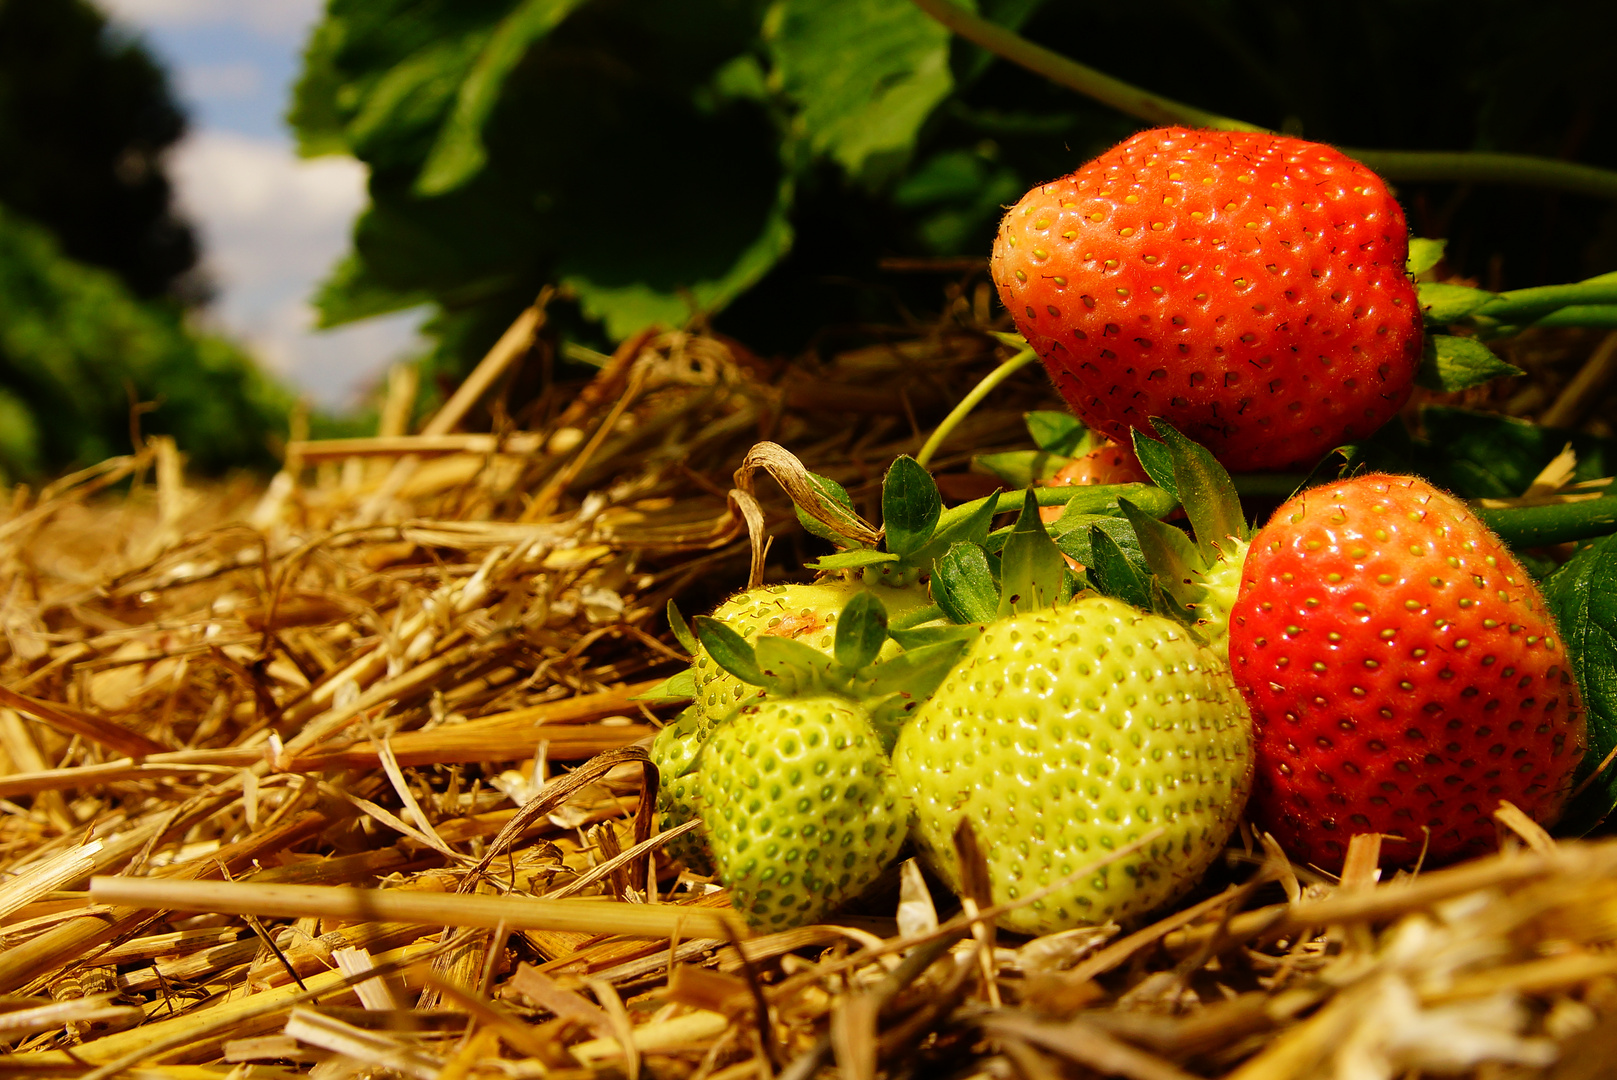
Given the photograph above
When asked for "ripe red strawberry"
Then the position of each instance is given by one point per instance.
(1249, 288)
(1403, 672)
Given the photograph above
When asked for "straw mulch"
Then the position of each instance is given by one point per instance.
(319, 744)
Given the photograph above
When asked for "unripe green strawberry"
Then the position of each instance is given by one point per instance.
(800, 807)
(805, 613)
(673, 751)
(1404, 675)
(1066, 733)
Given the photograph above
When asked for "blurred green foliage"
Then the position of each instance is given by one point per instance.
(95, 269)
(756, 159)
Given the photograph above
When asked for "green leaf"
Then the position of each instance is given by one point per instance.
(968, 523)
(1424, 254)
(791, 667)
(1206, 491)
(1157, 461)
(1115, 574)
(730, 650)
(1168, 553)
(919, 671)
(1456, 363)
(853, 560)
(1058, 433)
(680, 687)
(351, 292)
(963, 584)
(682, 630)
(1444, 304)
(836, 493)
(1031, 564)
(910, 506)
(459, 154)
(933, 635)
(1020, 468)
(1071, 534)
(864, 74)
(1583, 595)
(861, 630)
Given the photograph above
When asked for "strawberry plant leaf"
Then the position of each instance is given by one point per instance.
(730, 650)
(865, 75)
(1167, 551)
(835, 492)
(1206, 491)
(967, 523)
(1444, 304)
(1451, 363)
(932, 635)
(1424, 254)
(680, 687)
(1073, 537)
(1020, 468)
(861, 630)
(1583, 595)
(681, 629)
(1156, 460)
(1114, 573)
(1058, 433)
(963, 584)
(1030, 564)
(853, 560)
(458, 153)
(789, 666)
(910, 506)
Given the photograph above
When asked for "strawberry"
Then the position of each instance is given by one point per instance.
(1248, 288)
(1404, 675)
(800, 806)
(1068, 730)
(672, 751)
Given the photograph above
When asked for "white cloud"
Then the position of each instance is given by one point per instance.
(231, 81)
(272, 225)
(280, 18)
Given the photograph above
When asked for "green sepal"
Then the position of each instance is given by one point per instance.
(910, 506)
(1020, 468)
(1058, 433)
(1451, 363)
(861, 631)
(1164, 604)
(730, 650)
(916, 672)
(1074, 540)
(1115, 574)
(963, 584)
(1444, 304)
(836, 493)
(852, 560)
(1156, 460)
(1168, 552)
(922, 636)
(967, 523)
(792, 667)
(1424, 254)
(914, 617)
(677, 687)
(1030, 565)
(1206, 492)
(681, 629)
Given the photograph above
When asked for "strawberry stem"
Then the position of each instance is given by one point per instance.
(1526, 305)
(1098, 499)
(1440, 165)
(1004, 371)
(1538, 526)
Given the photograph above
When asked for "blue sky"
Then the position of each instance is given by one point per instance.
(271, 224)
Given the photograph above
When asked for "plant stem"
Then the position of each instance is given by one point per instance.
(1443, 165)
(1525, 305)
(1538, 526)
(971, 401)
(1098, 499)
(1073, 75)
(1603, 315)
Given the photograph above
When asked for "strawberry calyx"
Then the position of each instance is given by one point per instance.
(888, 687)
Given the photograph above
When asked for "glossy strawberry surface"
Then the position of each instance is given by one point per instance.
(1248, 287)
(1404, 676)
